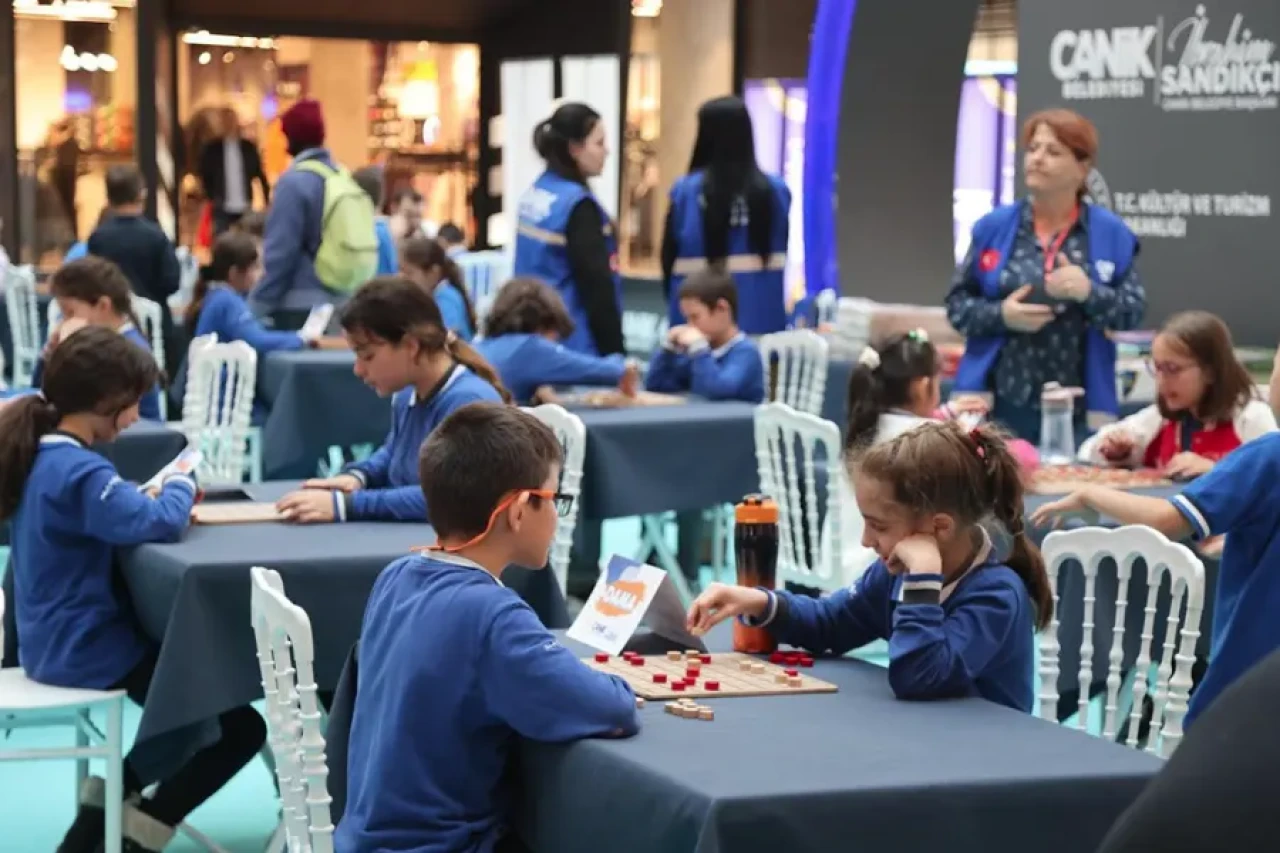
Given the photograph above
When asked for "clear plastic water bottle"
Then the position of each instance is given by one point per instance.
(1057, 424)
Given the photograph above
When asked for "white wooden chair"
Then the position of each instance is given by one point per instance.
(825, 306)
(1087, 547)
(189, 274)
(787, 454)
(801, 369)
(569, 428)
(221, 379)
(286, 656)
(484, 272)
(26, 704)
(22, 306)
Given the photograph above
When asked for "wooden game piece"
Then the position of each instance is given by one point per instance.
(659, 678)
(795, 681)
(806, 661)
(711, 685)
(757, 669)
(692, 653)
(637, 661)
(745, 666)
(706, 659)
(706, 714)
(780, 677)
(791, 672)
(693, 671)
(777, 657)
(602, 657)
(677, 686)
(639, 701)
(673, 656)
(670, 707)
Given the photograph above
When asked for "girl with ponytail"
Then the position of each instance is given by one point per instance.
(426, 263)
(957, 588)
(404, 351)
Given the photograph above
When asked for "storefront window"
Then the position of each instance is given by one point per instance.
(411, 107)
(76, 91)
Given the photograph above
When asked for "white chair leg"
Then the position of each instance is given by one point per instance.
(82, 764)
(278, 841)
(115, 775)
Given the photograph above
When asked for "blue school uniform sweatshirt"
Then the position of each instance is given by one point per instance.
(390, 489)
(733, 371)
(75, 510)
(453, 310)
(1239, 497)
(453, 668)
(977, 639)
(226, 313)
(527, 361)
(388, 259)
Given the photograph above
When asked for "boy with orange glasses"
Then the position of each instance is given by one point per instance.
(453, 664)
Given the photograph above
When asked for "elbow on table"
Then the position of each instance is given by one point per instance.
(922, 681)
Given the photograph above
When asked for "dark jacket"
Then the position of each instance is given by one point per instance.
(214, 176)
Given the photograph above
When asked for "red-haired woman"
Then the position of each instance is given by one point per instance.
(1045, 280)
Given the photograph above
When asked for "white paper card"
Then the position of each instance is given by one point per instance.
(317, 322)
(667, 617)
(186, 462)
(618, 604)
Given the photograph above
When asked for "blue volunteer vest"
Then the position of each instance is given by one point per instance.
(1111, 250)
(542, 249)
(762, 299)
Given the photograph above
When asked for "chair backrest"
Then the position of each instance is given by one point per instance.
(1, 625)
(22, 307)
(484, 272)
(825, 304)
(286, 656)
(797, 362)
(643, 332)
(221, 379)
(1086, 548)
(569, 428)
(149, 315)
(189, 274)
(791, 447)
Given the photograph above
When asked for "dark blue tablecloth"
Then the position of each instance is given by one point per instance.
(855, 770)
(6, 333)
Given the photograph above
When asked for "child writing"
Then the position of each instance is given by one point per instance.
(94, 290)
(404, 351)
(709, 357)
(1206, 405)
(68, 510)
(522, 334)
(218, 305)
(1236, 497)
(424, 262)
(453, 665)
(959, 616)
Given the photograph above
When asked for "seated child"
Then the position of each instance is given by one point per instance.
(68, 510)
(709, 357)
(522, 335)
(1238, 497)
(453, 665)
(424, 262)
(1206, 405)
(959, 613)
(218, 305)
(403, 350)
(94, 290)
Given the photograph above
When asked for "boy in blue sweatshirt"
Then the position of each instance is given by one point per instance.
(709, 357)
(455, 666)
(958, 604)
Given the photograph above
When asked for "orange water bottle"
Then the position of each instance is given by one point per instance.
(755, 541)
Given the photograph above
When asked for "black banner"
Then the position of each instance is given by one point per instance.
(1186, 98)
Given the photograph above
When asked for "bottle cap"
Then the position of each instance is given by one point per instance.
(756, 509)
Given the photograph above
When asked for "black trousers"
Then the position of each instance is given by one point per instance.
(243, 734)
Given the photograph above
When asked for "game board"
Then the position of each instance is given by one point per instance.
(1061, 479)
(237, 512)
(611, 398)
(784, 674)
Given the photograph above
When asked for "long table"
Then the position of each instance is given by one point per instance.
(857, 769)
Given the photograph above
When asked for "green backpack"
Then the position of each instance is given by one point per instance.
(348, 253)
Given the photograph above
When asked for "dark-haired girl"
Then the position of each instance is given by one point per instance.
(404, 351)
(957, 588)
(727, 213)
(218, 305)
(565, 238)
(425, 262)
(68, 510)
(94, 290)
(522, 337)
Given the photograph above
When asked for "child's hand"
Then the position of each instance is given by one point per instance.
(719, 602)
(630, 382)
(1116, 445)
(1073, 506)
(916, 555)
(307, 507)
(342, 483)
(1186, 466)
(675, 334)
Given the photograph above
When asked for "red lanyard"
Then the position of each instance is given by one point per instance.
(1053, 246)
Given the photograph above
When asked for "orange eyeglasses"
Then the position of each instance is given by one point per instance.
(563, 502)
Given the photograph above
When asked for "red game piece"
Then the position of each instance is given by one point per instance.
(712, 685)
(793, 658)
(693, 671)
(705, 659)
(601, 657)
(791, 673)
(806, 661)
(659, 678)
(637, 661)
(777, 657)
(677, 686)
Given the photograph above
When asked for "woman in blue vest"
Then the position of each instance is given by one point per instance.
(726, 211)
(564, 236)
(1045, 281)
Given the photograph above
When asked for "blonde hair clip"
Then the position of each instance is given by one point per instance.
(450, 338)
(869, 358)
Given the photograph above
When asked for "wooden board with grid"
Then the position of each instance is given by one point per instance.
(610, 398)
(724, 668)
(1062, 479)
(235, 512)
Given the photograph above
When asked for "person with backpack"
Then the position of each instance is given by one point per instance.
(320, 242)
